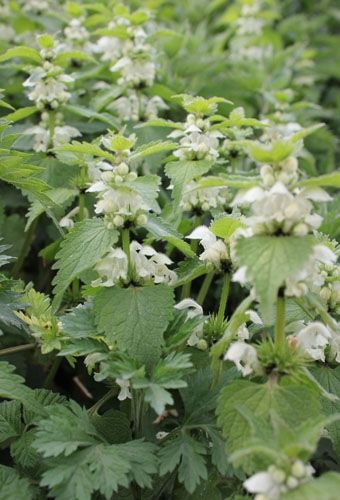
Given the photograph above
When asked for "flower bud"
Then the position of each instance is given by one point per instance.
(268, 180)
(202, 344)
(266, 170)
(187, 206)
(325, 293)
(123, 169)
(279, 476)
(118, 178)
(118, 220)
(292, 482)
(298, 468)
(108, 176)
(205, 206)
(141, 219)
(283, 177)
(290, 164)
(132, 176)
(300, 229)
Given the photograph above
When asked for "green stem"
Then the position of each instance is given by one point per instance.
(17, 348)
(126, 245)
(25, 248)
(280, 320)
(52, 124)
(223, 301)
(204, 288)
(233, 164)
(81, 206)
(94, 409)
(193, 245)
(52, 374)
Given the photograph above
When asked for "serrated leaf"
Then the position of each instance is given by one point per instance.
(161, 122)
(189, 270)
(20, 114)
(10, 420)
(12, 486)
(114, 426)
(86, 148)
(332, 179)
(187, 452)
(270, 260)
(325, 487)
(161, 229)
(147, 187)
(58, 197)
(135, 318)
(232, 180)
(79, 322)
(84, 246)
(45, 41)
(24, 52)
(225, 227)
(23, 452)
(63, 57)
(89, 113)
(182, 172)
(64, 431)
(151, 148)
(198, 104)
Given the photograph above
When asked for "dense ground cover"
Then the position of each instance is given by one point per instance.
(169, 223)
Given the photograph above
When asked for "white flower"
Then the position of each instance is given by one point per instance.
(124, 389)
(200, 146)
(42, 136)
(154, 267)
(114, 267)
(264, 484)
(244, 356)
(67, 221)
(313, 339)
(194, 310)
(135, 71)
(215, 251)
(63, 135)
(205, 198)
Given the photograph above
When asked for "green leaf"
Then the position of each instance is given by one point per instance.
(160, 122)
(168, 373)
(24, 52)
(325, 487)
(10, 420)
(45, 41)
(84, 246)
(114, 426)
(72, 54)
(20, 114)
(161, 229)
(225, 227)
(151, 148)
(270, 260)
(58, 197)
(329, 378)
(79, 322)
(88, 149)
(182, 172)
(12, 387)
(189, 270)
(147, 187)
(294, 404)
(23, 452)
(89, 113)
(232, 180)
(198, 104)
(187, 452)
(332, 179)
(135, 318)
(64, 431)
(12, 486)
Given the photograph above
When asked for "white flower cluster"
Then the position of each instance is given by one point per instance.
(36, 6)
(243, 355)
(316, 341)
(204, 198)
(275, 481)
(75, 31)
(215, 250)
(61, 133)
(148, 265)
(330, 292)
(135, 106)
(281, 211)
(198, 141)
(48, 82)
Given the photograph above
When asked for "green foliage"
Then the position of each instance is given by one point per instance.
(269, 261)
(83, 247)
(135, 318)
(325, 487)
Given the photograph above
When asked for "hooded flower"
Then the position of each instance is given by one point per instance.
(194, 310)
(313, 339)
(215, 250)
(244, 356)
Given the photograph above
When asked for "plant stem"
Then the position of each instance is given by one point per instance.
(94, 409)
(233, 164)
(25, 248)
(81, 206)
(126, 245)
(51, 128)
(52, 374)
(280, 319)
(17, 348)
(194, 243)
(223, 301)
(204, 288)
